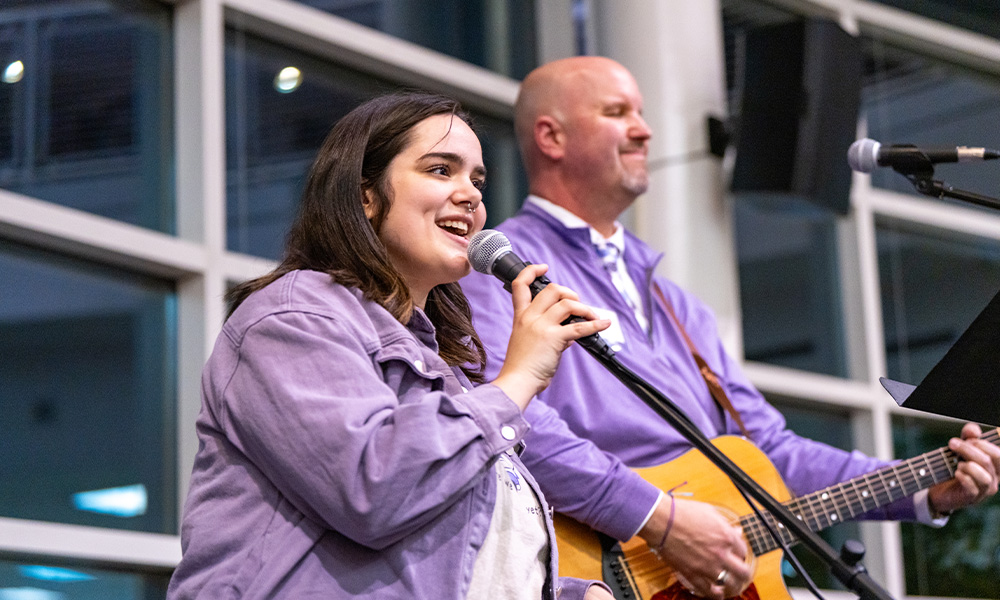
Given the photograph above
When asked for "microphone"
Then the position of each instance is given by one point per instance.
(867, 154)
(490, 253)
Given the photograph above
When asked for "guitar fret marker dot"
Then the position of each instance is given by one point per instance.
(833, 517)
(865, 493)
(892, 483)
(825, 496)
(923, 472)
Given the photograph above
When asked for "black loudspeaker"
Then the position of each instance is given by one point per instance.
(800, 100)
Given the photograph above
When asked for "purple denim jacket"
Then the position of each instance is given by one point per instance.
(340, 457)
(586, 426)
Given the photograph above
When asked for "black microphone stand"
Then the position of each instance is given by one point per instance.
(919, 169)
(854, 577)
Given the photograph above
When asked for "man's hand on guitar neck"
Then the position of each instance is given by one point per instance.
(701, 545)
(976, 477)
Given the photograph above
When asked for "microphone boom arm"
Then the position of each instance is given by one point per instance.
(853, 577)
(490, 253)
(917, 165)
(924, 182)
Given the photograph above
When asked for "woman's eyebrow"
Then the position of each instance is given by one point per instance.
(454, 158)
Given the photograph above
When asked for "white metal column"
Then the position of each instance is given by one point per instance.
(675, 50)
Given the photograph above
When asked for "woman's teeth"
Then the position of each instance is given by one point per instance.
(456, 227)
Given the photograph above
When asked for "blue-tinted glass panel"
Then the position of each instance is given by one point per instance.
(911, 99)
(789, 290)
(87, 124)
(834, 428)
(43, 581)
(981, 16)
(87, 371)
(786, 245)
(11, 93)
(272, 135)
(273, 132)
(961, 559)
(507, 185)
(497, 35)
(932, 289)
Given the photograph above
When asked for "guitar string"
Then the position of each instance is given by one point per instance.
(840, 495)
(643, 563)
(940, 466)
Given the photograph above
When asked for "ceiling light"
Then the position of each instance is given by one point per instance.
(127, 501)
(29, 593)
(288, 80)
(14, 72)
(45, 573)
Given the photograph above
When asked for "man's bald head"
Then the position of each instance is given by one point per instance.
(553, 88)
(583, 138)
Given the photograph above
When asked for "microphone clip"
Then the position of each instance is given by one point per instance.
(912, 162)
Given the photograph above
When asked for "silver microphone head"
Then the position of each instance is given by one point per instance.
(863, 155)
(484, 249)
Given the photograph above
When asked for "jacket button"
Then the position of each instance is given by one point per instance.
(419, 364)
(507, 432)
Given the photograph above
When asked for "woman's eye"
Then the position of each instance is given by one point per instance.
(440, 170)
(479, 184)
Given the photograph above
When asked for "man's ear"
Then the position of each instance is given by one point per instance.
(550, 137)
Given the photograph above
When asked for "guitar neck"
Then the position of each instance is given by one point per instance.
(857, 496)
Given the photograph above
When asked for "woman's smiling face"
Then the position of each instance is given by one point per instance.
(433, 183)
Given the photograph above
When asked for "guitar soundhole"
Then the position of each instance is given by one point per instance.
(679, 592)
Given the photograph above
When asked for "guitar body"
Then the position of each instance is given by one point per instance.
(580, 550)
(632, 570)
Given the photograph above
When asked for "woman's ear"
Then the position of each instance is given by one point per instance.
(368, 203)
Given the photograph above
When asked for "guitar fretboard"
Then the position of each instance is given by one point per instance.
(857, 496)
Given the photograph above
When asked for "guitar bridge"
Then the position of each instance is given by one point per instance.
(615, 570)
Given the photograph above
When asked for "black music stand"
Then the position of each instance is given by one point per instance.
(965, 384)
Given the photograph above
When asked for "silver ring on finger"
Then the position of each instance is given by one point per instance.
(722, 578)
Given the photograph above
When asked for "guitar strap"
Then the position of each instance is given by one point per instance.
(711, 379)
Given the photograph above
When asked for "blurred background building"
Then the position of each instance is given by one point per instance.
(152, 154)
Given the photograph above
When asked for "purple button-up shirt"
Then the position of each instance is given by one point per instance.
(587, 425)
(340, 457)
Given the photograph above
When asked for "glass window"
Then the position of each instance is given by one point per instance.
(41, 581)
(87, 371)
(932, 289)
(11, 95)
(786, 242)
(981, 16)
(911, 99)
(281, 105)
(496, 34)
(833, 428)
(86, 107)
(960, 559)
(789, 290)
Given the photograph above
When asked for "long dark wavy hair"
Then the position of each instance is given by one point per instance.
(331, 233)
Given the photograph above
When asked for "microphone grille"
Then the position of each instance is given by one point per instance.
(485, 247)
(863, 155)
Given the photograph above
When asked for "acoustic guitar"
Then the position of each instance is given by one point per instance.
(633, 571)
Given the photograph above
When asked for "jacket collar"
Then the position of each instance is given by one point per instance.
(636, 251)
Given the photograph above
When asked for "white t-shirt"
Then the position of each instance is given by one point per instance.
(512, 562)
